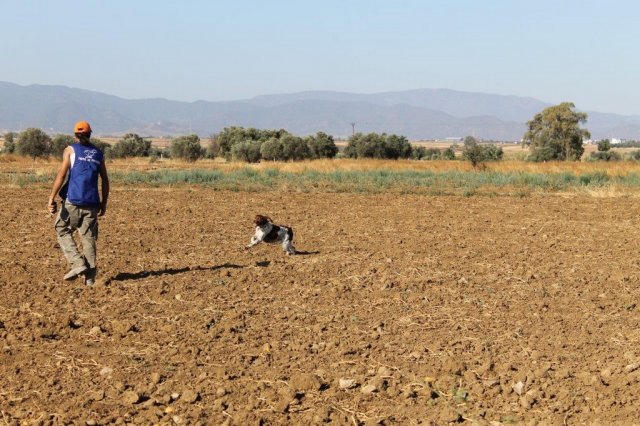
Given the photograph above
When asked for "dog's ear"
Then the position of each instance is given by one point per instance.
(259, 220)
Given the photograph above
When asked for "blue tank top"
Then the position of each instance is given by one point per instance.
(81, 188)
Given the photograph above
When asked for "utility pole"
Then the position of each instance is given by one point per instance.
(353, 128)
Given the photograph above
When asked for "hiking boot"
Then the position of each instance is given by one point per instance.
(90, 277)
(73, 273)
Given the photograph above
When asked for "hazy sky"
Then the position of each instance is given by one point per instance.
(554, 50)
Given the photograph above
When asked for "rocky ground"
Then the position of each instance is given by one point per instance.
(399, 310)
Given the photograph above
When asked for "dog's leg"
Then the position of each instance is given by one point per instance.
(287, 246)
(254, 240)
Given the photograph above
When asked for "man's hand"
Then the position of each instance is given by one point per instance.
(103, 209)
(53, 206)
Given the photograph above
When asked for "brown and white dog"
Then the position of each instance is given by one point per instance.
(268, 232)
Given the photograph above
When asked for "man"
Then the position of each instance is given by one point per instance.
(81, 203)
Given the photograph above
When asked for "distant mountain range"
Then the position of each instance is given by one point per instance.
(417, 114)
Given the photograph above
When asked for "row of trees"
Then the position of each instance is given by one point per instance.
(553, 134)
(35, 143)
(252, 145)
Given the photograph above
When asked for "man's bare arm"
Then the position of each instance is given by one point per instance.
(59, 180)
(104, 177)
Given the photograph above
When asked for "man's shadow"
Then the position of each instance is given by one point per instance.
(127, 276)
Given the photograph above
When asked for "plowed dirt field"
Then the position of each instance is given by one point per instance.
(400, 309)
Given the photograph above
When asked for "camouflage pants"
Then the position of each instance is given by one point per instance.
(85, 221)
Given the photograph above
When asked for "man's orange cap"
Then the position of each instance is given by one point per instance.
(82, 127)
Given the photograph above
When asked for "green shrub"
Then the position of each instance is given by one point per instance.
(321, 146)
(59, 143)
(634, 155)
(131, 145)
(252, 145)
(478, 154)
(9, 142)
(545, 153)
(604, 156)
(33, 143)
(294, 148)
(424, 153)
(187, 148)
(373, 145)
(231, 136)
(102, 146)
(449, 153)
(248, 151)
(213, 148)
(493, 152)
(418, 152)
(272, 150)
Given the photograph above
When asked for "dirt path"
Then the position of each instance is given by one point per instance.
(403, 309)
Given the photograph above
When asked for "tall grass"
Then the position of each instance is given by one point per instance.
(368, 176)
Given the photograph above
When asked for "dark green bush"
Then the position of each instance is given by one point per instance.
(478, 154)
(231, 136)
(9, 142)
(373, 145)
(634, 155)
(252, 145)
(102, 146)
(187, 148)
(321, 146)
(59, 143)
(33, 143)
(449, 154)
(605, 156)
(545, 153)
(294, 148)
(131, 145)
(213, 148)
(248, 151)
(272, 150)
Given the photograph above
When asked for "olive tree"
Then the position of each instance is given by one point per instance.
(321, 145)
(131, 145)
(373, 145)
(187, 148)
(272, 150)
(248, 151)
(33, 143)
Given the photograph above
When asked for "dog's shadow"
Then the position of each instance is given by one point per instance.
(128, 276)
(306, 253)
